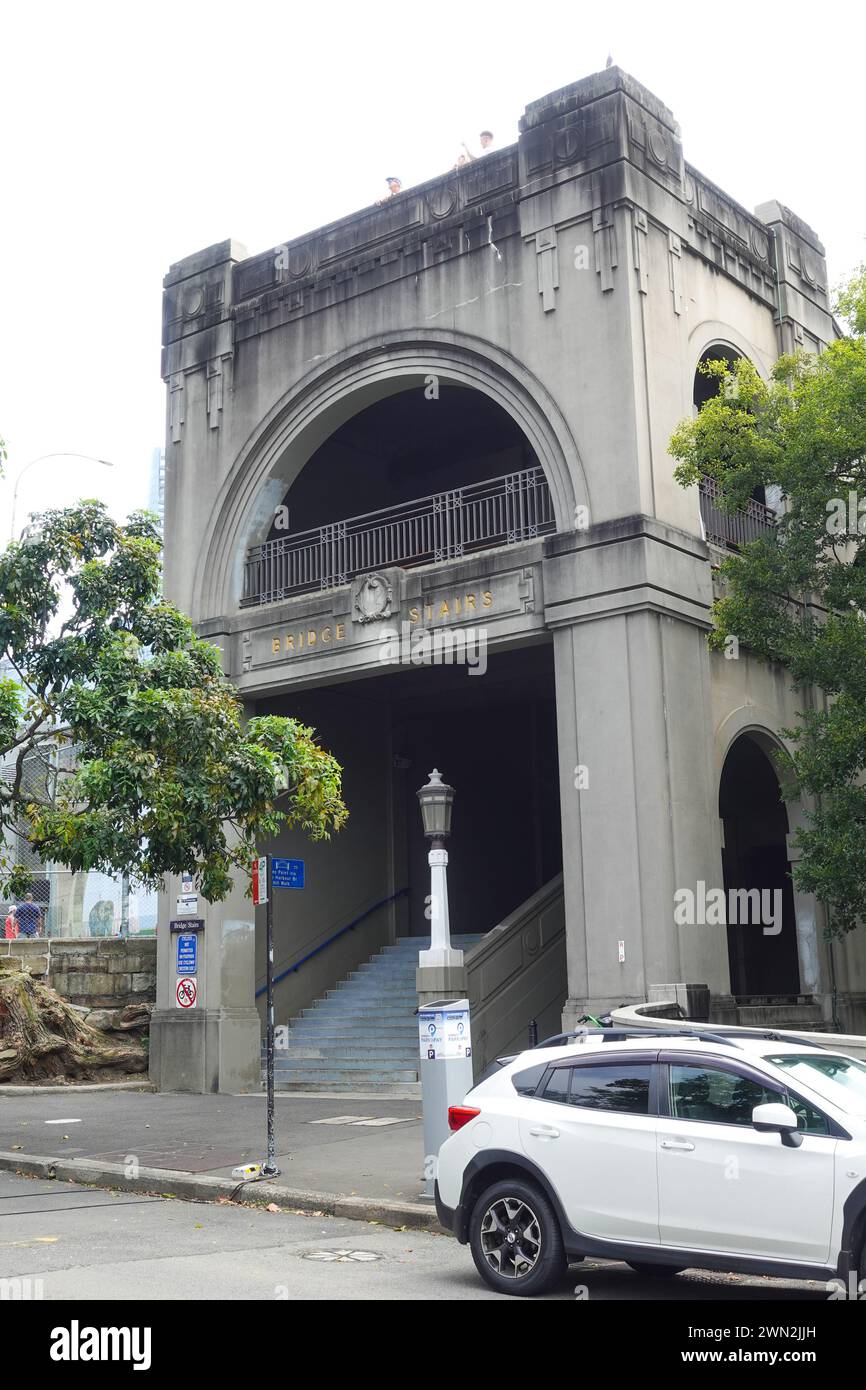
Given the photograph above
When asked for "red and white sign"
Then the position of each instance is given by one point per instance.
(260, 880)
(186, 993)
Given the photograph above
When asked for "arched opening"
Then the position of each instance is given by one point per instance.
(720, 527)
(433, 471)
(762, 934)
(403, 447)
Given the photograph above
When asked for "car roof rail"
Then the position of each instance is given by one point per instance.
(717, 1035)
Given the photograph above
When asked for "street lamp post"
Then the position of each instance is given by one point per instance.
(437, 802)
(106, 463)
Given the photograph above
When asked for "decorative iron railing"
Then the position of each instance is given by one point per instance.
(500, 511)
(731, 530)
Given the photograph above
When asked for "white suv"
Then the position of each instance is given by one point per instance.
(667, 1151)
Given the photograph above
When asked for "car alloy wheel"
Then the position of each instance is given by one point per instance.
(511, 1237)
(515, 1238)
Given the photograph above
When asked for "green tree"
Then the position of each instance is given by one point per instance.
(166, 775)
(797, 596)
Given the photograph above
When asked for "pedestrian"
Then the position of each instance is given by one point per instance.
(486, 138)
(395, 186)
(11, 926)
(29, 916)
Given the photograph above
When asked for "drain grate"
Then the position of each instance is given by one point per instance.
(342, 1256)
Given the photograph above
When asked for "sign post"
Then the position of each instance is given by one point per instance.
(263, 894)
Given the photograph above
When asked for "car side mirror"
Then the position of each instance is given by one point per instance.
(779, 1119)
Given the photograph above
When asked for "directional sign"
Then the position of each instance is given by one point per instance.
(186, 993)
(287, 873)
(187, 953)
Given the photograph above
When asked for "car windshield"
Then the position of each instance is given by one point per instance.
(840, 1080)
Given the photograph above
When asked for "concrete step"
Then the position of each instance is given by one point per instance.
(283, 1063)
(376, 1053)
(342, 1076)
(396, 1090)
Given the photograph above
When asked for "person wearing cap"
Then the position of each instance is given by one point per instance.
(10, 929)
(395, 186)
(29, 917)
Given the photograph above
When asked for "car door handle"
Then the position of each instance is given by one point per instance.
(682, 1144)
(544, 1132)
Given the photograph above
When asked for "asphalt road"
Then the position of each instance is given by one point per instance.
(82, 1243)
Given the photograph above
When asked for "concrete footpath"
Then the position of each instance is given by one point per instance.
(341, 1155)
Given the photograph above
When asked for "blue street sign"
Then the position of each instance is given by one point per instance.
(187, 954)
(287, 873)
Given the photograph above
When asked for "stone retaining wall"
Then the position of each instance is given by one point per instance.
(105, 972)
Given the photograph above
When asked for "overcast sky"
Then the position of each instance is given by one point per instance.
(135, 134)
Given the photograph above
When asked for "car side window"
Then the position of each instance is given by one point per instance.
(526, 1082)
(556, 1086)
(623, 1087)
(715, 1095)
(809, 1120)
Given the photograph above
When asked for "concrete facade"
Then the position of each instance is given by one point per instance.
(574, 279)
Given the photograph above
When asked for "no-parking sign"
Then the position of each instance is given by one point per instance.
(186, 994)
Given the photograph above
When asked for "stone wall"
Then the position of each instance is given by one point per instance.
(104, 973)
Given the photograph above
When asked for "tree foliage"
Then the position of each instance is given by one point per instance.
(166, 775)
(797, 596)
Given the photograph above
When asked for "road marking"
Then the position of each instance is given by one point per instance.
(342, 1120)
(61, 1122)
(37, 1240)
(386, 1121)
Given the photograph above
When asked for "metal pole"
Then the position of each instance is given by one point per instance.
(270, 1166)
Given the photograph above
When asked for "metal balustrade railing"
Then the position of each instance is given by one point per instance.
(731, 530)
(499, 511)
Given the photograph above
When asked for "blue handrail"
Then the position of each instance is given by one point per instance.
(292, 969)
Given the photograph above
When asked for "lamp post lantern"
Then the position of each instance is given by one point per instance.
(437, 801)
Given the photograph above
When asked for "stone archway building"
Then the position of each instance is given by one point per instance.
(574, 279)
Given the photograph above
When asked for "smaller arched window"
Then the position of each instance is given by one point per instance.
(706, 387)
(721, 528)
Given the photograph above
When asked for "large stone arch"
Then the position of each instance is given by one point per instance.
(330, 393)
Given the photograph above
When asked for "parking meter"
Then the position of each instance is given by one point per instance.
(445, 1042)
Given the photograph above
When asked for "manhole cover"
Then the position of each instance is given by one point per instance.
(341, 1256)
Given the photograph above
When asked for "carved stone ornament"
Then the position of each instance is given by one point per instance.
(372, 599)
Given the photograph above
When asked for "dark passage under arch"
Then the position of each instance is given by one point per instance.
(755, 856)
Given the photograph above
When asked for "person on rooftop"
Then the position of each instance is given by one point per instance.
(395, 186)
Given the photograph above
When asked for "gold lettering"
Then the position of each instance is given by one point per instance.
(428, 609)
(414, 615)
(290, 643)
(326, 634)
(275, 645)
(311, 637)
(341, 632)
(444, 611)
(457, 605)
(486, 599)
(470, 601)
(300, 641)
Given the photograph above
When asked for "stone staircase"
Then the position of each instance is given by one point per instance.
(363, 1034)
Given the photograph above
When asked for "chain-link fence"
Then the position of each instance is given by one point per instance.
(58, 902)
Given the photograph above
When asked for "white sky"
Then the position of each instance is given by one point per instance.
(137, 133)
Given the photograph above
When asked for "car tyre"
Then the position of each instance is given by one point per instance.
(655, 1271)
(515, 1239)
